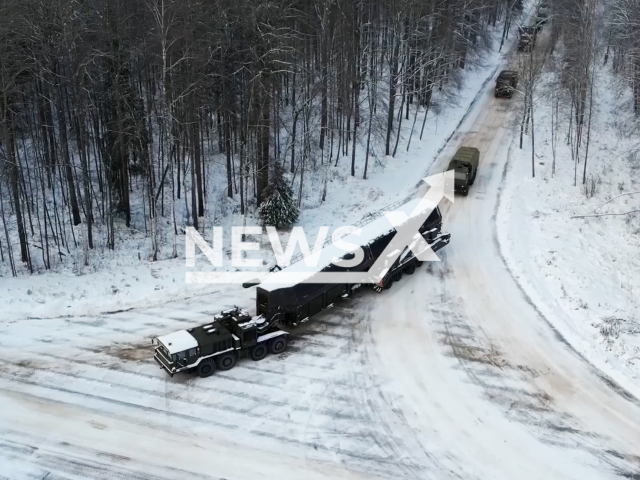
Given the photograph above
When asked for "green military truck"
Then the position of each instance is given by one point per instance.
(465, 163)
(542, 16)
(506, 83)
(527, 38)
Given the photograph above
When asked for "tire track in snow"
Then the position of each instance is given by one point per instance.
(394, 433)
(190, 383)
(389, 460)
(79, 463)
(344, 432)
(120, 403)
(525, 403)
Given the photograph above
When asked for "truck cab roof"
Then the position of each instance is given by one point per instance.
(223, 326)
(178, 341)
(464, 155)
(507, 74)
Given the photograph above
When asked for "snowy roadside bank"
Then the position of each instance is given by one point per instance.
(581, 273)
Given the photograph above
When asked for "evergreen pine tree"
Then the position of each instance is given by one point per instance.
(278, 208)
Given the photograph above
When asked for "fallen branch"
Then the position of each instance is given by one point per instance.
(611, 200)
(604, 214)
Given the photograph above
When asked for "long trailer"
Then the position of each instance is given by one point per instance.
(292, 304)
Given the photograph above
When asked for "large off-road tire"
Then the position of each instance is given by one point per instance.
(410, 270)
(387, 286)
(226, 361)
(396, 276)
(465, 193)
(206, 368)
(473, 179)
(419, 263)
(259, 352)
(278, 345)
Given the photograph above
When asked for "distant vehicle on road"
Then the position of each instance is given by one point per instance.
(527, 39)
(543, 15)
(506, 83)
(465, 163)
(541, 18)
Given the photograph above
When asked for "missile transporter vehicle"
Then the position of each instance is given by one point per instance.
(465, 164)
(235, 334)
(232, 335)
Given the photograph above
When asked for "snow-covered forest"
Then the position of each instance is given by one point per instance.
(123, 118)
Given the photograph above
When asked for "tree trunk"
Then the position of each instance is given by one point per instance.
(64, 144)
(13, 173)
(263, 142)
(227, 139)
(393, 80)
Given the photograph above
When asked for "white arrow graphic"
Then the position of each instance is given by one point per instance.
(407, 227)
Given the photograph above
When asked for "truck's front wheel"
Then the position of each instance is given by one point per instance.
(206, 369)
(258, 352)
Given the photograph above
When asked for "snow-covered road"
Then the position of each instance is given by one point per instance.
(452, 373)
(466, 331)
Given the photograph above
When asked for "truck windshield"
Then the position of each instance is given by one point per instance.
(461, 174)
(163, 349)
(179, 357)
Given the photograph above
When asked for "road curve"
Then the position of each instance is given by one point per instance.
(545, 412)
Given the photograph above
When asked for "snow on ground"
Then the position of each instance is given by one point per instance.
(126, 278)
(583, 272)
